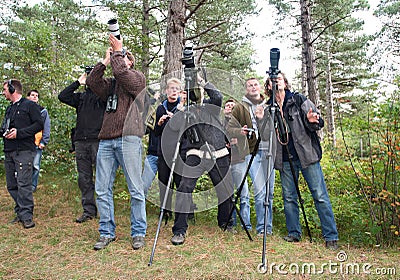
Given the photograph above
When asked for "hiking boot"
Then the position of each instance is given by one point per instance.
(15, 220)
(291, 238)
(331, 245)
(137, 242)
(178, 239)
(103, 242)
(28, 223)
(84, 218)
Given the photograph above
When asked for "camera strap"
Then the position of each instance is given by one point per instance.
(112, 99)
(112, 88)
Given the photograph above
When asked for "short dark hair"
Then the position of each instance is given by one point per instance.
(268, 91)
(16, 84)
(33, 90)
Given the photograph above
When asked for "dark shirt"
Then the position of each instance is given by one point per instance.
(89, 111)
(25, 116)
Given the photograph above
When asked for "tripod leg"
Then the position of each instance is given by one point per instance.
(171, 175)
(239, 190)
(226, 188)
(301, 201)
(270, 173)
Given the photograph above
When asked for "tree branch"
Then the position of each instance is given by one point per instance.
(206, 30)
(192, 12)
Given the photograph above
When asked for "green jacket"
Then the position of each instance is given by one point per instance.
(240, 117)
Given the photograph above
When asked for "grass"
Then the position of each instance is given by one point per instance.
(59, 248)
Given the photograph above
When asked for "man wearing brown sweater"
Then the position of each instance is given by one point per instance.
(120, 141)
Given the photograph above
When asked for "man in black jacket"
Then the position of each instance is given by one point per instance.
(206, 152)
(21, 122)
(89, 117)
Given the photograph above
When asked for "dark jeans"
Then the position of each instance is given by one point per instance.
(85, 154)
(194, 168)
(18, 166)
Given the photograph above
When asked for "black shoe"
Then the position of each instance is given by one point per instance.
(84, 218)
(15, 220)
(138, 242)
(290, 238)
(331, 245)
(28, 223)
(103, 242)
(178, 239)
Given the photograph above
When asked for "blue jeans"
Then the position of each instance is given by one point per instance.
(259, 172)
(316, 183)
(36, 168)
(149, 171)
(238, 172)
(125, 152)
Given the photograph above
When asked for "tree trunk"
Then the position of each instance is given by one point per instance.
(145, 41)
(308, 52)
(174, 37)
(329, 98)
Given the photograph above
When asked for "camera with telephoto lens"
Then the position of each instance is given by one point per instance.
(113, 27)
(274, 56)
(187, 56)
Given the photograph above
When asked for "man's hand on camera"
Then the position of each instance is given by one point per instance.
(164, 118)
(12, 134)
(244, 130)
(115, 43)
(82, 79)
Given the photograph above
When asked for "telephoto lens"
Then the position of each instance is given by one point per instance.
(113, 27)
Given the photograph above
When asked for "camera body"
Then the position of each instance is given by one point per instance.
(88, 69)
(190, 71)
(113, 27)
(250, 132)
(5, 127)
(6, 133)
(112, 103)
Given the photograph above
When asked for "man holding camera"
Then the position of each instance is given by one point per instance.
(21, 122)
(120, 140)
(244, 123)
(89, 118)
